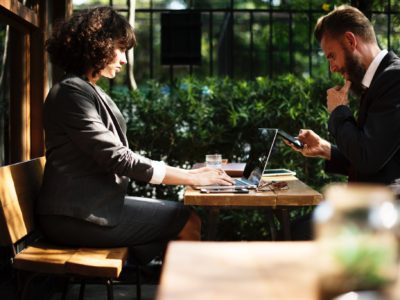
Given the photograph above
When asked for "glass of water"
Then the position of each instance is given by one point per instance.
(214, 160)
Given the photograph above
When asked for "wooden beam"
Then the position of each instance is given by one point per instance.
(59, 10)
(19, 96)
(16, 9)
(39, 82)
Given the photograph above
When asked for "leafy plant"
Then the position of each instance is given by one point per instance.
(366, 259)
(181, 122)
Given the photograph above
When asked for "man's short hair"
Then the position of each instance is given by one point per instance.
(345, 18)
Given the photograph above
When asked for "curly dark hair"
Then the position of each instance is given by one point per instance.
(88, 39)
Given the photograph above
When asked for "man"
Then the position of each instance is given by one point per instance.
(367, 148)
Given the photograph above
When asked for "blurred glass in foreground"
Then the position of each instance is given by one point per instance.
(354, 228)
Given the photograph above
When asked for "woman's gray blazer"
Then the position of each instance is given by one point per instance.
(88, 162)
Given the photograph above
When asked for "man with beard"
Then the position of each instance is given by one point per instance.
(367, 148)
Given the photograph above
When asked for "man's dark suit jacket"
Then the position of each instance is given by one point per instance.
(88, 162)
(368, 149)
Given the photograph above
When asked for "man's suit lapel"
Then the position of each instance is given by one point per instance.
(367, 97)
(362, 111)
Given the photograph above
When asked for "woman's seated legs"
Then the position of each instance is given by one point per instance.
(142, 221)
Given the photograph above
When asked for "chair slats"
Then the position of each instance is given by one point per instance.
(43, 258)
(106, 263)
(19, 189)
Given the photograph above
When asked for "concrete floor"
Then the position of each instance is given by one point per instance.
(50, 288)
(98, 292)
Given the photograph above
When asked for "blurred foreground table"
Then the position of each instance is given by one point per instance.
(239, 270)
(242, 270)
(279, 201)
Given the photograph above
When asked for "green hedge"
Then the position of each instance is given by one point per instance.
(181, 122)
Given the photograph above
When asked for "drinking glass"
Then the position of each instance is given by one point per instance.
(214, 160)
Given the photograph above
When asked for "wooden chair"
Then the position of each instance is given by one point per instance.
(19, 187)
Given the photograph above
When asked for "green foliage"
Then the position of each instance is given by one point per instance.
(180, 123)
(364, 258)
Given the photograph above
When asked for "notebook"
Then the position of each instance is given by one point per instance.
(260, 152)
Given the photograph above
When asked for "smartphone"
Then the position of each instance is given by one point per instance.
(290, 139)
(233, 190)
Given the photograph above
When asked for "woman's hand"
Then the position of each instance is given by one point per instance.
(314, 145)
(210, 176)
(201, 176)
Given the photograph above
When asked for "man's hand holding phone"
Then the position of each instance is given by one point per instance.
(313, 145)
(290, 139)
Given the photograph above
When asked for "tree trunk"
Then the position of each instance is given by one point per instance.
(131, 59)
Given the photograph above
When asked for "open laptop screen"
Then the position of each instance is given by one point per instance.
(260, 152)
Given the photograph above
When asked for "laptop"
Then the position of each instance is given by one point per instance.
(260, 152)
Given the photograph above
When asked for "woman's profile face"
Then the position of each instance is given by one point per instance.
(111, 70)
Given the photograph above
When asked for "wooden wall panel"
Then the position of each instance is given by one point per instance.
(17, 10)
(29, 77)
(39, 81)
(19, 99)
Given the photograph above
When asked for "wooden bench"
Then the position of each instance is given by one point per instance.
(19, 188)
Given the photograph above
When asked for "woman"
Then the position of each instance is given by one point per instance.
(88, 162)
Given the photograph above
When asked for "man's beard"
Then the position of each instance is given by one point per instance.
(355, 72)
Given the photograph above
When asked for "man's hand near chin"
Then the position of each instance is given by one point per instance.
(337, 96)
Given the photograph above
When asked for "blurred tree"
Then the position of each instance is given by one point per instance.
(274, 40)
(364, 5)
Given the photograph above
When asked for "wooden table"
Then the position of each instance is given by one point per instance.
(298, 194)
(242, 270)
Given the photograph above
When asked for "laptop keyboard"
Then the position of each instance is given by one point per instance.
(242, 182)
